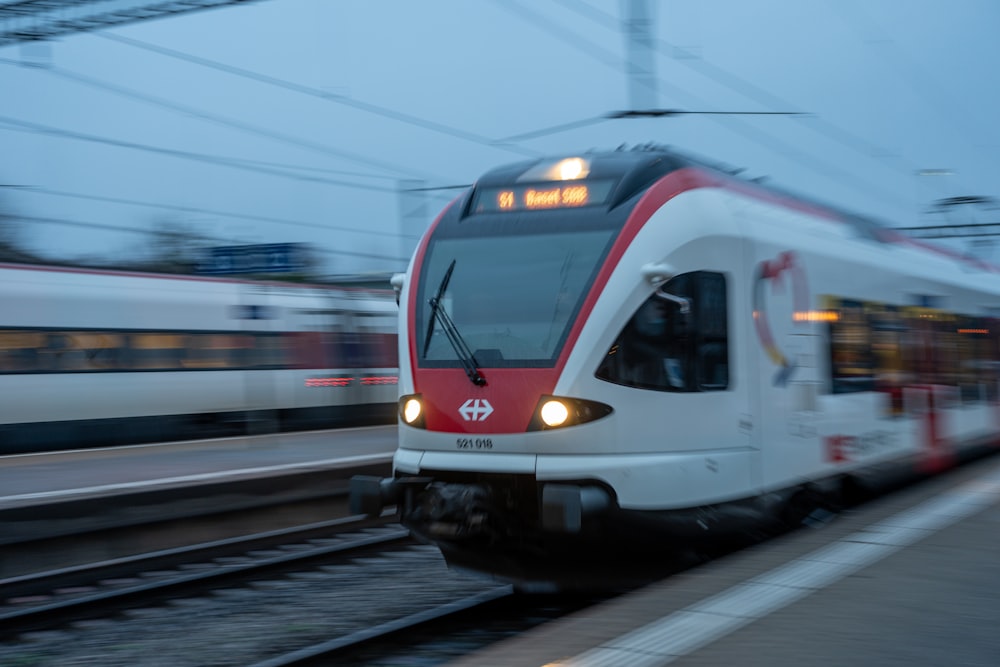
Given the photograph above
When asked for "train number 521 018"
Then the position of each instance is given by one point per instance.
(474, 443)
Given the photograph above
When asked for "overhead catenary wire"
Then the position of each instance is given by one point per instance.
(327, 96)
(915, 77)
(224, 214)
(224, 120)
(751, 132)
(861, 144)
(65, 222)
(235, 163)
(750, 90)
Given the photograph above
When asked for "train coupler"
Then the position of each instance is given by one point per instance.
(370, 495)
(564, 506)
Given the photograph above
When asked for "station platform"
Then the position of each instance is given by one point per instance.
(910, 579)
(31, 479)
(60, 493)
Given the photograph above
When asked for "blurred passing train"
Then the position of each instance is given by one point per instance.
(92, 358)
(626, 351)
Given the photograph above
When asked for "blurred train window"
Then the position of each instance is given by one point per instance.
(48, 351)
(340, 347)
(877, 347)
(154, 351)
(241, 351)
(946, 350)
(976, 368)
(19, 351)
(711, 330)
(270, 351)
(60, 351)
(934, 350)
(384, 350)
(209, 350)
(888, 339)
(90, 351)
(662, 349)
(852, 362)
(990, 372)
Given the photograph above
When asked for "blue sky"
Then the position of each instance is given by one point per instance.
(421, 90)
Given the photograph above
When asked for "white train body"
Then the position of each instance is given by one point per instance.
(818, 350)
(102, 357)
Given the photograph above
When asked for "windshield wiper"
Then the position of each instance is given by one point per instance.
(440, 315)
(434, 305)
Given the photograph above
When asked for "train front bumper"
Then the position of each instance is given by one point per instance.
(505, 497)
(462, 510)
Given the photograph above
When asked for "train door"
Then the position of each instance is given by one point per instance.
(309, 384)
(258, 317)
(802, 414)
(788, 342)
(682, 345)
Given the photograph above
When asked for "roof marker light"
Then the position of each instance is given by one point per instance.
(565, 169)
(572, 169)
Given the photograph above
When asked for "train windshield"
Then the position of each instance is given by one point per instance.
(511, 298)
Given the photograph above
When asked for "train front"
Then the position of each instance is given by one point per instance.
(492, 463)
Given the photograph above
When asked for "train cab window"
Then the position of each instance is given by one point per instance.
(664, 348)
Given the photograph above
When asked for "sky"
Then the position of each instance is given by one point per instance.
(319, 122)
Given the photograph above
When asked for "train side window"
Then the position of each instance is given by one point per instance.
(154, 351)
(711, 332)
(971, 338)
(271, 351)
(19, 351)
(92, 351)
(852, 359)
(665, 349)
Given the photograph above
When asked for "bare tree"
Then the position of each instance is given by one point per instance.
(12, 235)
(173, 247)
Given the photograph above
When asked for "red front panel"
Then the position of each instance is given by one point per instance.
(506, 404)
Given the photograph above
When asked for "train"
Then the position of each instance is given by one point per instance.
(620, 354)
(103, 358)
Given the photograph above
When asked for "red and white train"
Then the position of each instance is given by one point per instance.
(94, 358)
(630, 350)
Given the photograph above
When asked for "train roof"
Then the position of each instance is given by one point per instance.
(644, 163)
(360, 287)
(636, 167)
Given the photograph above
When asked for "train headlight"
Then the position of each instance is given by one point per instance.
(554, 413)
(411, 410)
(560, 412)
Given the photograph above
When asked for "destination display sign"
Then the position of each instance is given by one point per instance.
(542, 196)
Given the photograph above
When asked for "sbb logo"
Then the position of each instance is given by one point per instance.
(475, 410)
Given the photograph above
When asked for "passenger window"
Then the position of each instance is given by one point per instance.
(676, 340)
(19, 350)
(852, 360)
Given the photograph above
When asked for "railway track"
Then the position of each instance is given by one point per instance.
(342, 648)
(47, 599)
(290, 608)
(339, 591)
(438, 634)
